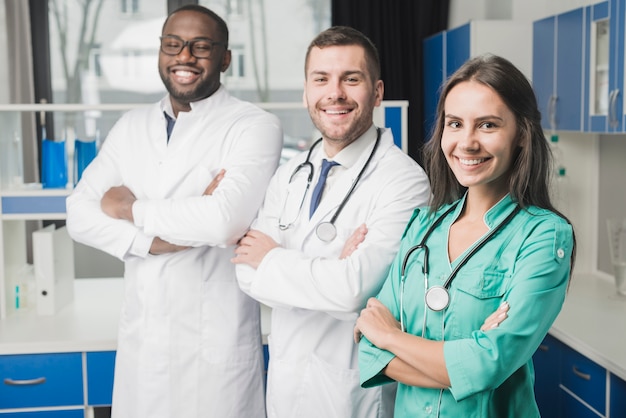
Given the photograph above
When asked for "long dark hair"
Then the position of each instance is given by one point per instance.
(530, 173)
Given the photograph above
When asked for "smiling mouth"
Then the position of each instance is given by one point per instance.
(473, 161)
(184, 76)
(337, 112)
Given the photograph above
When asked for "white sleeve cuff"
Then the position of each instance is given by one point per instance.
(141, 245)
(139, 213)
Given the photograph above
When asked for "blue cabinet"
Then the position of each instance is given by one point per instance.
(557, 70)
(547, 376)
(41, 380)
(434, 75)
(578, 68)
(605, 37)
(618, 397)
(100, 371)
(76, 413)
(570, 385)
(54, 385)
(582, 379)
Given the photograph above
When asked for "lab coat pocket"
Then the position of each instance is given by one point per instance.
(475, 295)
(328, 391)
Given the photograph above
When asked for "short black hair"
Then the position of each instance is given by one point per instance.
(222, 27)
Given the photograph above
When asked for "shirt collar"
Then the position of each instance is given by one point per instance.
(348, 156)
(217, 96)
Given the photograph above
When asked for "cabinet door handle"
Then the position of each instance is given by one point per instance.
(26, 382)
(552, 111)
(580, 374)
(613, 121)
(544, 347)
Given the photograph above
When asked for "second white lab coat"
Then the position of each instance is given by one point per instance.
(315, 297)
(189, 340)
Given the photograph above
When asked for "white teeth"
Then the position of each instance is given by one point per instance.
(337, 112)
(182, 73)
(471, 162)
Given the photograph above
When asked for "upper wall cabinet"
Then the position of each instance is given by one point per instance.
(557, 70)
(605, 67)
(446, 51)
(578, 68)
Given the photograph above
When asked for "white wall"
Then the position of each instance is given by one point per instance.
(462, 11)
(530, 10)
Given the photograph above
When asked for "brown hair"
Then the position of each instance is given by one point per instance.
(344, 36)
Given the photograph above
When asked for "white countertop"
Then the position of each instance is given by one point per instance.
(592, 321)
(89, 323)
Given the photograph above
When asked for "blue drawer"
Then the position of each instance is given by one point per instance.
(572, 408)
(74, 413)
(38, 380)
(100, 368)
(618, 397)
(584, 378)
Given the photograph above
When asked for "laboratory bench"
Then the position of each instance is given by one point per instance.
(75, 349)
(580, 368)
(62, 365)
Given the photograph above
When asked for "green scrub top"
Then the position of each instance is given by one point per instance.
(526, 263)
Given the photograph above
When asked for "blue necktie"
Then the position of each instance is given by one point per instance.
(319, 187)
(170, 125)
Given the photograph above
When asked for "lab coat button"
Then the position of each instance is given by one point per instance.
(560, 253)
(428, 409)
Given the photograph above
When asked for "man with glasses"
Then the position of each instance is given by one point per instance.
(189, 340)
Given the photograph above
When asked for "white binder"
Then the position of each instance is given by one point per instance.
(53, 259)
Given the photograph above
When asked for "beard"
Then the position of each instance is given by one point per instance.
(190, 94)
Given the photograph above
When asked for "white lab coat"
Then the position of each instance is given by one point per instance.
(315, 297)
(189, 340)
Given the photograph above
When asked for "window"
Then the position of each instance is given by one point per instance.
(237, 67)
(94, 61)
(130, 7)
(268, 40)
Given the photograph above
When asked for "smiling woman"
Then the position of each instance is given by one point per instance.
(491, 221)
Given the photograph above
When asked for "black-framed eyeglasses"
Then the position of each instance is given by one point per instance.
(199, 48)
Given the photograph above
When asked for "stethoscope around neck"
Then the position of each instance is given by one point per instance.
(437, 298)
(325, 231)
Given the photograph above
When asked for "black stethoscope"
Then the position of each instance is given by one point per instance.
(325, 231)
(437, 297)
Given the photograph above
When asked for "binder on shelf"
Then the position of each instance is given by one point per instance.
(53, 259)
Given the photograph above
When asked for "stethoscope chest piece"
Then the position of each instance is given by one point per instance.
(437, 298)
(326, 231)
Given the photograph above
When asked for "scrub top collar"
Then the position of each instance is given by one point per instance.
(495, 215)
(351, 154)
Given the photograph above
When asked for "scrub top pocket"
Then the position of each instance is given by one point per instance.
(474, 296)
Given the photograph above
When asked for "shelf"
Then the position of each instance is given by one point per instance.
(33, 204)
